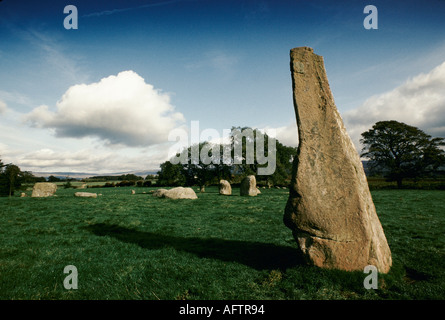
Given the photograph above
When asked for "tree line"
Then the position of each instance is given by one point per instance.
(392, 149)
(203, 174)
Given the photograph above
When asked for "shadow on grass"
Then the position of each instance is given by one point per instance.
(257, 255)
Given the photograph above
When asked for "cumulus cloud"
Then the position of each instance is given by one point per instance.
(287, 135)
(419, 102)
(91, 160)
(48, 158)
(121, 109)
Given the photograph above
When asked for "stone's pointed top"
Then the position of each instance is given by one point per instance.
(302, 49)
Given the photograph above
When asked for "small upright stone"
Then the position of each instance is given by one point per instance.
(330, 209)
(225, 188)
(43, 189)
(248, 186)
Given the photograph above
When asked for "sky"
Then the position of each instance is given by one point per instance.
(105, 97)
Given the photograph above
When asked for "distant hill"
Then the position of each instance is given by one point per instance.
(82, 175)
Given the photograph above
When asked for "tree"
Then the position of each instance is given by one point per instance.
(129, 177)
(284, 159)
(9, 179)
(238, 157)
(171, 174)
(284, 156)
(28, 177)
(3, 185)
(398, 151)
(12, 177)
(53, 179)
(208, 171)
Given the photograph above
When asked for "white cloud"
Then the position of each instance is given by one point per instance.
(48, 159)
(3, 107)
(419, 102)
(91, 160)
(121, 109)
(287, 135)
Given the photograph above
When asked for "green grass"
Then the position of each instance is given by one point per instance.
(140, 247)
(379, 183)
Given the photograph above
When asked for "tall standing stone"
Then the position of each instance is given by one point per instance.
(330, 210)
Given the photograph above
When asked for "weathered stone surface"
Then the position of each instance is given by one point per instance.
(176, 193)
(248, 186)
(159, 193)
(43, 189)
(85, 194)
(225, 188)
(330, 210)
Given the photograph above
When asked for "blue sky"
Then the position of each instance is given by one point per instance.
(222, 63)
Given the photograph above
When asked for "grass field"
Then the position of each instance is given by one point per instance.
(140, 247)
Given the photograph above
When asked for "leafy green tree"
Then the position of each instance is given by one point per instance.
(398, 151)
(171, 175)
(28, 177)
(129, 177)
(11, 178)
(284, 156)
(203, 173)
(67, 184)
(3, 185)
(53, 179)
(224, 161)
